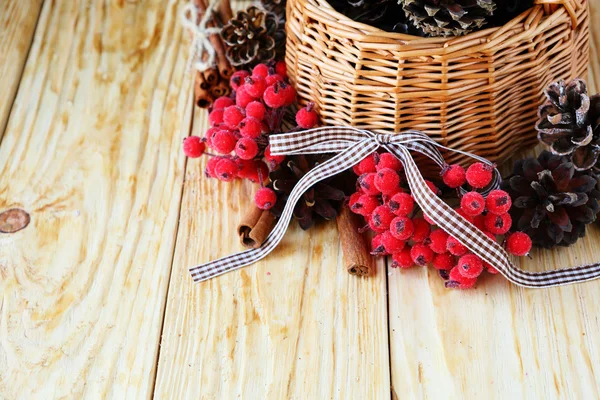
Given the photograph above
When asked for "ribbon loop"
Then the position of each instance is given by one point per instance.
(352, 145)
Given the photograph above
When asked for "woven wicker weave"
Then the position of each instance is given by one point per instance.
(477, 93)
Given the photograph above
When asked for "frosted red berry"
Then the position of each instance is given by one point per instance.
(402, 228)
(306, 117)
(223, 102)
(472, 204)
(433, 187)
(281, 68)
(256, 109)
(271, 159)
(246, 148)
(260, 70)
(216, 116)
(470, 266)
(250, 127)
(388, 160)
(363, 204)
(458, 281)
(392, 244)
(421, 254)
(498, 202)
(289, 93)
(463, 214)
(237, 79)
(479, 175)
(454, 176)
(491, 269)
(366, 182)
(444, 261)
(211, 165)
(273, 78)
(377, 247)
(193, 147)
(421, 231)
(275, 96)
(401, 204)
(387, 181)
(518, 244)
(498, 224)
(223, 142)
(367, 164)
(438, 240)
(402, 259)
(455, 247)
(232, 116)
(242, 98)
(255, 86)
(380, 219)
(265, 198)
(226, 170)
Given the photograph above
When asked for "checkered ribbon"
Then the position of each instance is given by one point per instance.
(351, 146)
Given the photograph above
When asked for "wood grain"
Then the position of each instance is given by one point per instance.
(500, 341)
(92, 152)
(18, 20)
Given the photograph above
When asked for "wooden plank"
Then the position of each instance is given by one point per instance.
(18, 19)
(92, 152)
(499, 341)
(295, 325)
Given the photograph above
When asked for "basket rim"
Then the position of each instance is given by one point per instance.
(372, 31)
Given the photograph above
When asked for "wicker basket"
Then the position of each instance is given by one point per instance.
(477, 93)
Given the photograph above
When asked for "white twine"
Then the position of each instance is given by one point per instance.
(200, 32)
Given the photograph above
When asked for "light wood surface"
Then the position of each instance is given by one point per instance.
(96, 301)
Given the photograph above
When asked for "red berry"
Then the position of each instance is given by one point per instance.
(454, 176)
(242, 98)
(246, 148)
(387, 181)
(261, 70)
(402, 228)
(256, 109)
(271, 159)
(265, 198)
(255, 86)
(232, 116)
(518, 244)
(216, 116)
(306, 117)
(210, 132)
(491, 269)
(289, 93)
(364, 204)
(455, 247)
(367, 184)
(223, 102)
(498, 224)
(479, 175)
(401, 204)
(438, 240)
(237, 79)
(470, 266)
(211, 165)
(443, 261)
(463, 214)
(388, 160)
(402, 259)
(254, 171)
(457, 281)
(433, 188)
(273, 78)
(368, 164)
(498, 202)
(250, 127)
(377, 247)
(421, 254)
(281, 68)
(479, 222)
(392, 244)
(380, 219)
(226, 169)
(472, 204)
(274, 96)
(223, 142)
(193, 147)
(422, 229)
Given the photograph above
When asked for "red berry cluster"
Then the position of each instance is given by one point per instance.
(391, 213)
(240, 125)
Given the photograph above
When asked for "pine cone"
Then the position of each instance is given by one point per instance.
(367, 11)
(277, 7)
(322, 199)
(448, 17)
(569, 123)
(552, 202)
(253, 36)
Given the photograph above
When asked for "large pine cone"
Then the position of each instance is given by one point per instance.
(552, 202)
(253, 36)
(448, 17)
(368, 11)
(277, 7)
(569, 123)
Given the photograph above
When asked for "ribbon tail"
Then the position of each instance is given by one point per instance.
(337, 164)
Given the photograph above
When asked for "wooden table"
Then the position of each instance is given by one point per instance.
(96, 300)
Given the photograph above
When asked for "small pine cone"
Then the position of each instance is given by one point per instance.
(277, 7)
(569, 123)
(552, 202)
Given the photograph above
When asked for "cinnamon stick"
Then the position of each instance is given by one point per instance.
(222, 89)
(357, 260)
(255, 226)
(202, 95)
(224, 10)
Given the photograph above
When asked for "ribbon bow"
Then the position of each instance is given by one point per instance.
(200, 35)
(351, 146)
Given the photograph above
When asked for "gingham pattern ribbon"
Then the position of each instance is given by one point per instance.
(351, 146)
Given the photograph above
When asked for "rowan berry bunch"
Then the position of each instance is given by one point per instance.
(412, 239)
